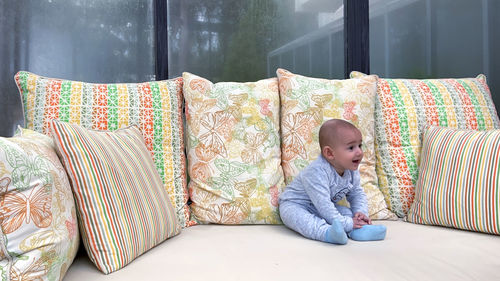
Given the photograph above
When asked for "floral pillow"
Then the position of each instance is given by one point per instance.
(38, 227)
(308, 102)
(233, 147)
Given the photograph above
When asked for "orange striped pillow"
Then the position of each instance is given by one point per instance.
(123, 209)
(459, 180)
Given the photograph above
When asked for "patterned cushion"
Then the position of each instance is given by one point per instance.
(459, 180)
(233, 150)
(156, 107)
(38, 235)
(403, 108)
(308, 102)
(122, 206)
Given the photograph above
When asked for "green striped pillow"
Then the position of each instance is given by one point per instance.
(459, 180)
(155, 106)
(122, 206)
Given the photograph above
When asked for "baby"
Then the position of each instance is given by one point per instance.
(309, 204)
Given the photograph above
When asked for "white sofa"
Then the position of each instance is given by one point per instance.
(273, 252)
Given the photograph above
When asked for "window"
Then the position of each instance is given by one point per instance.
(436, 39)
(87, 40)
(233, 40)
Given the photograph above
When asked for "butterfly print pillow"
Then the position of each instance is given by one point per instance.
(39, 235)
(306, 103)
(233, 148)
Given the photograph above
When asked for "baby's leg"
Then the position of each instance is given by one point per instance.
(304, 220)
(343, 210)
(369, 232)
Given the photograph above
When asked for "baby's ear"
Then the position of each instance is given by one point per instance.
(327, 152)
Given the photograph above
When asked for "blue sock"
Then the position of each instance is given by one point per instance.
(369, 232)
(336, 234)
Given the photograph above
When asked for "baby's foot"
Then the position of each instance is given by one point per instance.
(336, 234)
(369, 232)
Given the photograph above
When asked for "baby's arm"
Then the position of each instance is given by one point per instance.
(357, 197)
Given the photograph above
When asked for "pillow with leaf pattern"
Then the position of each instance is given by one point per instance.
(38, 234)
(233, 148)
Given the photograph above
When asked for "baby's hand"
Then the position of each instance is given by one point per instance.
(362, 217)
(357, 222)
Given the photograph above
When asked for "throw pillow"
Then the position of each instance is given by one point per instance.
(123, 209)
(156, 107)
(459, 180)
(233, 148)
(38, 227)
(308, 102)
(404, 107)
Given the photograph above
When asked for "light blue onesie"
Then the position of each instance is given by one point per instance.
(308, 204)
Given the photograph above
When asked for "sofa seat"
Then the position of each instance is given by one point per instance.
(273, 252)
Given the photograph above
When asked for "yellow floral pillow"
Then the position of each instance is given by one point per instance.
(308, 102)
(233, 150)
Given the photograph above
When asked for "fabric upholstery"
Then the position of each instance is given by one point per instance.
(409, 252)
(233, 150)
(156, 107)
(404, 107)
(308, 102)
(39, 233)
(123, 209)
(459, 180)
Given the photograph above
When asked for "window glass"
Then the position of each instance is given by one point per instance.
(234, 40)
(436, 39)
(88, 40)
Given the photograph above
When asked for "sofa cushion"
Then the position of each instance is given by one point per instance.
(38, 234)
(459, 180)
(233, 150)
(156, 107)
(274, 252)
(123, 209)
(404, 107)
(308, 102)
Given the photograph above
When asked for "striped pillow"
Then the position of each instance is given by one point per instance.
(403, 108)
(123, 209)
(156, 107)
(459, 180)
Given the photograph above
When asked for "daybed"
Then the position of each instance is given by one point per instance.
(259, 248)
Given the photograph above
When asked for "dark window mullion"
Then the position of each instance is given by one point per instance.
(356, 37)
(161, 27)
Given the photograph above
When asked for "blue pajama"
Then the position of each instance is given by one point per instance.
(309, 204)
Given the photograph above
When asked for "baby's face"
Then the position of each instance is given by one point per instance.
(347, 150)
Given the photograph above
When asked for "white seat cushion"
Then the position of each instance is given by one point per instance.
(273, 252)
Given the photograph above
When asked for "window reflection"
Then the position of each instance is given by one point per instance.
(436, 39)
(233, 40)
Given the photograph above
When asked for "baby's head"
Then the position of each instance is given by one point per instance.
(341, 145)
